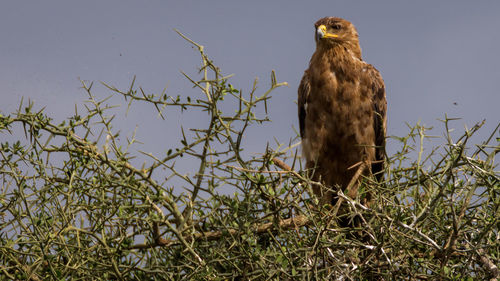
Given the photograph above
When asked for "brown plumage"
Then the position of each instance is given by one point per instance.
(342, 109)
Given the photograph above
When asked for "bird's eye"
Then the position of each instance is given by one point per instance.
(336, 26)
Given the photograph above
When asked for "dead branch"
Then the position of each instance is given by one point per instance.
(285, 224)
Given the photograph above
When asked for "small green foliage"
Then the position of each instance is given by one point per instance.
(74, 207)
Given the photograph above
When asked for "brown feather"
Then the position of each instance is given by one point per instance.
(342, 109)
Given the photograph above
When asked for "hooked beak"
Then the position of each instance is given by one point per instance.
(322, 33)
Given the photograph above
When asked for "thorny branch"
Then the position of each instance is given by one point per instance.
(76, 203)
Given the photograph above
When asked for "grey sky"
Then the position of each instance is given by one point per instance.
(436, 57)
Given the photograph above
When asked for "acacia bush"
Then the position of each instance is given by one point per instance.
(73, 205)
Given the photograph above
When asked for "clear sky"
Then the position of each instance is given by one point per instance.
(436, 57)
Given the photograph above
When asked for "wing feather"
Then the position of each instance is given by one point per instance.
(379, 119)
(304, 90)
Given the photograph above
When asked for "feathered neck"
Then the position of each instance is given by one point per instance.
(346, 48)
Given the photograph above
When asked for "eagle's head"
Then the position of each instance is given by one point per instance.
(333, 31)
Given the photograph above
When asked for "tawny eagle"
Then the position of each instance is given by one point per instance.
(342, 109)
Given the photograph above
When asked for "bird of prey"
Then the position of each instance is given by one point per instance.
(342, 110)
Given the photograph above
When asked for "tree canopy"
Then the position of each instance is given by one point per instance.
(74, 206)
